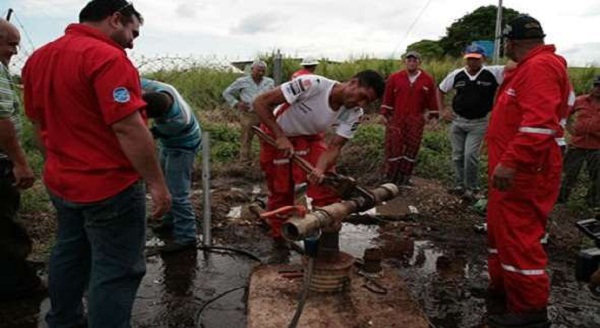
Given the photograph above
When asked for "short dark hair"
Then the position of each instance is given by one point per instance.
(371, 79)
(97, 10)
(158, 103)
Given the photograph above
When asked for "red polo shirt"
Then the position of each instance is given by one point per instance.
(76, 87)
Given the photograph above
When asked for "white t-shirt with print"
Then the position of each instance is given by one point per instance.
(307, 111)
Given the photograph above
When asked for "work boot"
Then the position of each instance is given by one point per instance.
(457, 190)
(175, 247)
(495, 302)
(404, 182)
(469, 196)
(538, 319)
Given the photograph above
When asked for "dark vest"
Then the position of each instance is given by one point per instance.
(474, 98)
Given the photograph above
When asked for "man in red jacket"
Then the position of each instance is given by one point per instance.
(524, 168)
(584, 146)
(409, 99)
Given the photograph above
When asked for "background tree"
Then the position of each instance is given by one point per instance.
(429, 49)
(478, 25)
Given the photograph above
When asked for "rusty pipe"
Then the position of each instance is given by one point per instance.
(324, 217)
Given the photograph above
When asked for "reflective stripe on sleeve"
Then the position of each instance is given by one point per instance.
(281, 161)
(528, 129)
(492, 251)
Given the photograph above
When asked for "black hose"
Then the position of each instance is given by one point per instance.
(207, 303)
(230, 249)
(154, 252)
(304, 294)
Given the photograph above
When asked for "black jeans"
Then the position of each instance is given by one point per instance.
(572, 165)
(17, 278)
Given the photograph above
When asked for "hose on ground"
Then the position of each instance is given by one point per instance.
(207, 303)
(304, 293)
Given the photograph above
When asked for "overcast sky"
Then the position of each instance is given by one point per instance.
(337, 29)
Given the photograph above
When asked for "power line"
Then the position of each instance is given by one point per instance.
(412, 25)
(14, 14)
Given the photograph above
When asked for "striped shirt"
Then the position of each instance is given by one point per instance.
(9, 102)
(178, 128)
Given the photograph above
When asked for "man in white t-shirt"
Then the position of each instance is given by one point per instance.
(305, 108)
(475, 86)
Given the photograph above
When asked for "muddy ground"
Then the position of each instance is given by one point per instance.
(436, 251)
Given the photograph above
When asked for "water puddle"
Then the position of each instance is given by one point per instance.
(447, 277)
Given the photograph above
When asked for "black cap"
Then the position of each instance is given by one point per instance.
(597, 81)
(522, 28)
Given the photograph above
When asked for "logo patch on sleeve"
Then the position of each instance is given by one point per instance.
(121, 95)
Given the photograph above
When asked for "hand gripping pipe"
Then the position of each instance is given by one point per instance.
(296, 229)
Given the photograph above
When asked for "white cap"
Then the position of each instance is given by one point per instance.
(309, 61)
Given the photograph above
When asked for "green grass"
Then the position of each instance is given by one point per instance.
(202, 85)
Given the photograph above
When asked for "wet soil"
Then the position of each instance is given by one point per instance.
(436, 251)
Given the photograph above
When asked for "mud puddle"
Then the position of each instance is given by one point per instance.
(446, 274)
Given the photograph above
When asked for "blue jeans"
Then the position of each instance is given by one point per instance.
(101, 245)
(177, 166)
(466, 137)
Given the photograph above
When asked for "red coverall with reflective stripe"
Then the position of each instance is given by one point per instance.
(282, 176)
(404, 105)
(300, 72)
(523, 125)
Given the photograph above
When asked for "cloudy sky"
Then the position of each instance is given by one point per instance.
(337, 29)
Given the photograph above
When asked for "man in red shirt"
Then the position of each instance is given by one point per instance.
(584, 146)
(524, 173)
(409, 100)
(83, 96)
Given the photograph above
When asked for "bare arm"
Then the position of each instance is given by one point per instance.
(9, 144)
(138, 145)
(327, 159)
(445, 112)
(263, 106)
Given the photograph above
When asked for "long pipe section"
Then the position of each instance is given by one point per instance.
(299, 228)
(206, 214)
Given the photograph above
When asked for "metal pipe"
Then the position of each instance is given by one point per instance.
(206, 214)
(497, 35)
(325, 217)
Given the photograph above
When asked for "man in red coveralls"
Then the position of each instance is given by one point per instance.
(584, 146)
(309, 66)
(307, 107)
(524, 167)
(409, 100)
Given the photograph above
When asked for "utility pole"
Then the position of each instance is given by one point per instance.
(498, 33)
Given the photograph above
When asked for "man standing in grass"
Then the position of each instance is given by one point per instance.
(309, 66)
(475, 87)
(178, 133)
(409, 101)
(584, 146)
(240, 95)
